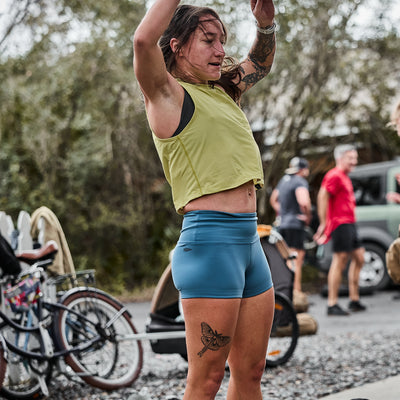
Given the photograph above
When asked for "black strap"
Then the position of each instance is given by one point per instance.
(186, 114)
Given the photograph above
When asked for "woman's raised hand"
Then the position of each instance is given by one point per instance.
(263, 11)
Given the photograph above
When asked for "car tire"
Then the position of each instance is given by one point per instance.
(374, 273)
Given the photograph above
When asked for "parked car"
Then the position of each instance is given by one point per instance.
(377, 221)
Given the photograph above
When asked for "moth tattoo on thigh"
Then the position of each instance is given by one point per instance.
(211, 339)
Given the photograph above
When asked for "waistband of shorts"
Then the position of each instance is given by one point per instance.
(220, 215)
(219, 227)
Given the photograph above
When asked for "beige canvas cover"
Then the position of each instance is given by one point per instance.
(63, 263)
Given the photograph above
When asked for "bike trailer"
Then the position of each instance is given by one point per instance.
(277, 253)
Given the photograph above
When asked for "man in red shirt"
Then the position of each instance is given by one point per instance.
(336, 212)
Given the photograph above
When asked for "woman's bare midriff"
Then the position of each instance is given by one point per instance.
(241, 199)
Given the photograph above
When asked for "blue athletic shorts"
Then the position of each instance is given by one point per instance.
(219, 255)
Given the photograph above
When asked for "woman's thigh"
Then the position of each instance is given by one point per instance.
(210, 326)
(253, 328)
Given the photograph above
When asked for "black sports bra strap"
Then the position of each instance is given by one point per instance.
(186, 114)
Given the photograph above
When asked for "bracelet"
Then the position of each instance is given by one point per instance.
(267, 30)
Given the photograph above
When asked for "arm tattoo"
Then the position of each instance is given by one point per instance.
(259, 55)
(212, 340)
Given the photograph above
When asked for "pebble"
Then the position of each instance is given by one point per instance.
(321, 365)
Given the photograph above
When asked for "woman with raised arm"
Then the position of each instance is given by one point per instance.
(192, 93)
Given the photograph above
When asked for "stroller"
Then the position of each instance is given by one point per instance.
(166, 316)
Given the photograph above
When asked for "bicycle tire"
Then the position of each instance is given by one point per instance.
(111, 362)
(3, 361)
(284, 332)
(21, 376)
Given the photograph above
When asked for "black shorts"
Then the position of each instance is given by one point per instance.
(293, 237)
(345, 238)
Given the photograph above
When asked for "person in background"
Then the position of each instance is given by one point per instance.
(336, 211)
(394, 197)
(192, 93)
(291, 202)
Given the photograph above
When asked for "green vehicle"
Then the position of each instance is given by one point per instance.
(377, 220)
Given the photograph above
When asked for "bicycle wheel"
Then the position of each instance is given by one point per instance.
(25, 378)
(284, 332)
(111, 361)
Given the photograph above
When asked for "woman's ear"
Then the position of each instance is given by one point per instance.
(173, 43)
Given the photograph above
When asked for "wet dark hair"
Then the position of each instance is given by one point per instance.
(184, 22)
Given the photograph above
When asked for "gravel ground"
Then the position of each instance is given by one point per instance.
(321, 365)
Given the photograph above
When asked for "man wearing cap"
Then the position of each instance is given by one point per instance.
(336, 211)
(291, 202)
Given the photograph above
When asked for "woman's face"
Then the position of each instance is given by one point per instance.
(202, 56)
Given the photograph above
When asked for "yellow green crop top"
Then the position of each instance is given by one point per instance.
(216, 150)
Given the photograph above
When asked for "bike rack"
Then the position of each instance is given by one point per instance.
(156, 335)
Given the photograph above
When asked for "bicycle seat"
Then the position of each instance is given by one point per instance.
(48, 250)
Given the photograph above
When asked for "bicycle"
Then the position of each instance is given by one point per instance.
(82, 332)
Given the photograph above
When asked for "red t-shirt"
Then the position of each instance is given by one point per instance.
(342, 203)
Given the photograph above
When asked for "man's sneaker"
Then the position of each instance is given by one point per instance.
(356, 306)
(336, 310)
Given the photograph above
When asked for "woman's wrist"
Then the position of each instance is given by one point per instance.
(266, 29)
